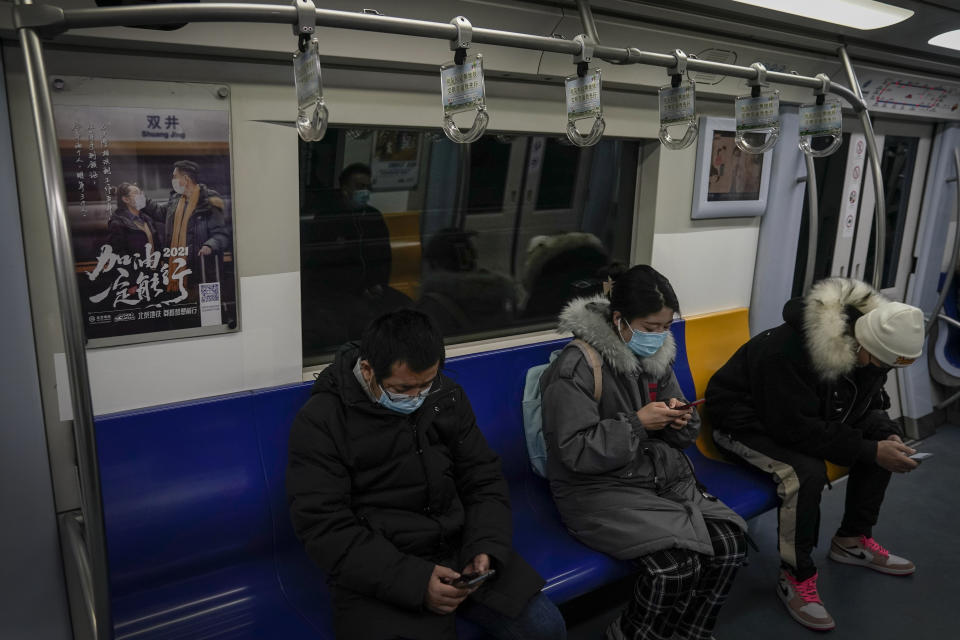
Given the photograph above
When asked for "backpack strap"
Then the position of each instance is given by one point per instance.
(593, 358)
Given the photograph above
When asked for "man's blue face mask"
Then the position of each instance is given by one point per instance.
(360, 198)
(645, 344)
(402, 403)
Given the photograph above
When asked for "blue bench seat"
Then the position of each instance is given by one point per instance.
(198, 531)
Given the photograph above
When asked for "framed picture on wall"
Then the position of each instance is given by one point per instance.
(728, 182)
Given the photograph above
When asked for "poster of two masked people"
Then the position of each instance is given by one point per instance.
(178, 245)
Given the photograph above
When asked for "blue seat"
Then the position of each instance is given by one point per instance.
(188, 526)
(199, 535)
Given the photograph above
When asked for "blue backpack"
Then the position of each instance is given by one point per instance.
(533, 404)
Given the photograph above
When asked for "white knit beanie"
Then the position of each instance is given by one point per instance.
(892, 333)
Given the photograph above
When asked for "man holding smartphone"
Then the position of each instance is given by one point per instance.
(397, 496)
(812, 390)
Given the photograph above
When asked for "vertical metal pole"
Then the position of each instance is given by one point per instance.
(71, 318)
(813, 223)
(954, 251)
(586, 18)
(879, 223)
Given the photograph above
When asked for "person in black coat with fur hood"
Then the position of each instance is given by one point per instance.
(395, 493)
(812, 390)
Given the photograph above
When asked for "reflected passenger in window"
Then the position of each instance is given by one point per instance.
(560, 268)
(458, 294)
(346, 272)
(616, 465)
(396, 495)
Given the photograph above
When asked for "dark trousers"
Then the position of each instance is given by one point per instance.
(679, 593)
(800, 480)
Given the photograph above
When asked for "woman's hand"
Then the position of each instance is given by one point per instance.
(657, 415)
(681, 422)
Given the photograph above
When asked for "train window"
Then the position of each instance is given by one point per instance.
(899, 161)
(490, 239)
(558, 180)
(489, 164)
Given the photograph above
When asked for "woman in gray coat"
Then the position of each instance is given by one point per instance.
(617, 469)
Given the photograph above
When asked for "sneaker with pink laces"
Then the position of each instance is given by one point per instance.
(866, 552)
(803, 602)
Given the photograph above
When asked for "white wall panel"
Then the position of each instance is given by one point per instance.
(710, 270)
(265, 353)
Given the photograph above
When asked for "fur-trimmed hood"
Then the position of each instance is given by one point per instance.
(590, 320)
(824, 317)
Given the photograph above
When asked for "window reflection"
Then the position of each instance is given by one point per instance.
(491, 238)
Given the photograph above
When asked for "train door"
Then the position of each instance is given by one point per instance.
(847, 204)
(490, 196)
(554, 191)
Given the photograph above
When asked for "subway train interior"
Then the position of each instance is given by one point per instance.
(482, 161)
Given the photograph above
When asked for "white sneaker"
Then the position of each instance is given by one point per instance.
(866, 552)
(803, 602)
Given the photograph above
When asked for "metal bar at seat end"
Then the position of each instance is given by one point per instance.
(71, 318)
(879, 222)
(813, 210)
(955, 255)
(71, 524)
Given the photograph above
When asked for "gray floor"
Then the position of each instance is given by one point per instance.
(920, 521)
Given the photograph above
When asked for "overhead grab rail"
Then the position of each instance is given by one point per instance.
(51, 20)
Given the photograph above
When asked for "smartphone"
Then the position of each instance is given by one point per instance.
(920, 456)
(690, 405)
(468, 580)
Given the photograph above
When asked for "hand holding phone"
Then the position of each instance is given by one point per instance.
(690, 405)
(920, 456)
(470, 580)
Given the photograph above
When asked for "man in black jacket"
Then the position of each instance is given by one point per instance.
(812, 390)
(395, 493)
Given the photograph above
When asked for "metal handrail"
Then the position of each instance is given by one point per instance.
(873, 155)
(72, 526)
(71, 318)
(952, 267)
(813, 210)
(52, 20)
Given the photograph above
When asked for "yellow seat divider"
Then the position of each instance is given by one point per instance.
(711, 339)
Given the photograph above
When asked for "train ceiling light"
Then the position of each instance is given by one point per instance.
(947, 40)
(856, 14)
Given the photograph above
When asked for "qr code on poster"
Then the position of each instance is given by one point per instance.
(209, 292)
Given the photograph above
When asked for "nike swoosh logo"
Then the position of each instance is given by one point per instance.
(784, 590)
(860, 555)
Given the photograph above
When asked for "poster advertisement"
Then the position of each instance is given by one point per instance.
(396, 161)
(734, 174)
(149, 204)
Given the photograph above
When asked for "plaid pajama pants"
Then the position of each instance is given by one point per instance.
(679, 592)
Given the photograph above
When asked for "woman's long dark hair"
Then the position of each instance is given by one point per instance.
(639, 291)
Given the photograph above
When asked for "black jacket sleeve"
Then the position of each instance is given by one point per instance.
(488, 526)
(318, 491)
(789, 408)
(117, 237)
